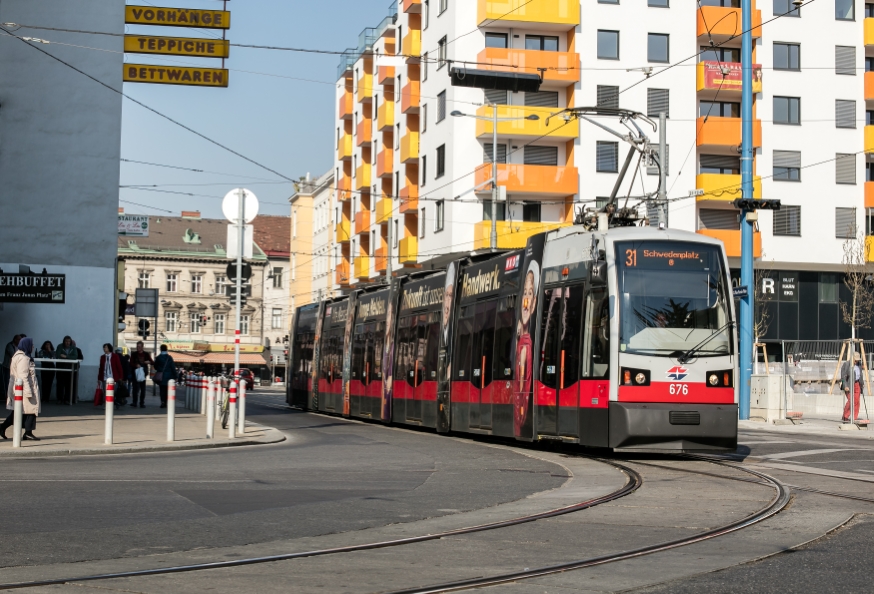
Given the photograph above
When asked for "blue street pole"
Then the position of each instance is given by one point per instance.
(746, 226)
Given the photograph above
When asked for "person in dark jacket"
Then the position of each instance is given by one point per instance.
(67, 355)
(47, 375)
(140, 359)
(164, 365)
(109, 369)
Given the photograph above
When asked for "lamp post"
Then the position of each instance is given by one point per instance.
(493, 238)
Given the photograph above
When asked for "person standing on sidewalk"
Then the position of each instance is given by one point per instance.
(139, 362)
(47, 375)
(110, 368)
(8, 353)
(852, 383)
(24, 369)
(166, 367)
(66, 355)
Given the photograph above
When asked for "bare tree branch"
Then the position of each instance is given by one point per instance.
(859, 280)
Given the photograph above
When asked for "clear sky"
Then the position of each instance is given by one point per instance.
(278, 110)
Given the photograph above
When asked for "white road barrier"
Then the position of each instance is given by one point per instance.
(110, 410)
(17, 410)
(171, 410)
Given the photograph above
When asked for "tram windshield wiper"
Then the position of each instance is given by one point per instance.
(684, 358)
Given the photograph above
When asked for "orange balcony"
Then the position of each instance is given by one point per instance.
(731, 239)
(344, 188)
(341, 274)
(869, 248)
(344, 147)
(385, 116)
(869, 194)
(343, 230)
(362, 266)
(346, 106)
(411, 97)
(362, 222)
(725, 22)
(562, 67)
(408, 250)
(869, 85)
(409, 147)
(411, 45)
(362, 177)
(868, 31)
(381, 259)
(383, 210)
(365, 88)
(725, 132)
(561, 14)
(723, 187)
(364, 132)
(385, 75)
(541, 180)
(384, 160)
(869, 139)
(409, 199)
(411, 5)
(511, 234)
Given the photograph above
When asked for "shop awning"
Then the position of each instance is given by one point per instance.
(179, 357)
(228, 359)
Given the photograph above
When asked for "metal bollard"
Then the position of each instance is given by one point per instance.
(210, 408)
(18, 391)
(242, 406)
(171, 410)
(201, 404)
(110, 409)
(232, 412)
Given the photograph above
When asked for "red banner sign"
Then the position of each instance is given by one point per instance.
(728, 76)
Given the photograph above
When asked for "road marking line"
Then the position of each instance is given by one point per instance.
(806, 453)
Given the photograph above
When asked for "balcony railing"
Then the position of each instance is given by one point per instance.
(869, 31)
(385, 116)
(364, 133)
(411, 97)
(384, 162)
(343, 230)
(542, 180)
(724, 22)
(411, 45)
(344, 188)
(365, 88)
(344, 147)
(725, 132)
(385, 75)
(561, 67)
(511, 234)
(362, 222)
(724, 187)
(869, 139)
(731, 239)
(383, 210)
(362, 177)
(341, 274)
(380, 259)
(408, 250)
(519, 126)
(362, 266)
(411, 5)
(534, 12)
(409, 199)
(409, 147)
(346, 106)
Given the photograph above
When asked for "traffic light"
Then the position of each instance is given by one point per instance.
(143, 327)
(752, 204)
(245, 292)
(203, 320)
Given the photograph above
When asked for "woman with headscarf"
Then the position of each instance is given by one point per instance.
(24, 369)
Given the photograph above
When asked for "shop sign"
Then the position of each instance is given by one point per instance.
(731, 80)
(177, 17)
(133, 225)
(229, 348)
(186, 346)
(177, 46)
(169, 75)
(32, 288)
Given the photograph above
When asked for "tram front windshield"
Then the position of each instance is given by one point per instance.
(672, 296)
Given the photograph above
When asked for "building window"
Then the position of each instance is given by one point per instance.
(608, 1)
(719, 54)
(144, 281)
(276, 318)
(444, 4)
(425, 60)
(441, 161)
(657, 47)
(397, 136)
(607, 157)
(608, 96)
(845, 168)
(786, 8)
(171, 321)
(277, 278)
(495, 96)
(869, 10)
(540, 155)
(719, 164)
(608, 45)
(869, 212)
(498, 40)
(398, 88)
(171, 283)
(845, 114)
(500, 212)
(441, 106)
(441, 53)
(194, 322)
(531, 213)
(787, 166)
(543, 43)
(423, 118)
(439, 215)
(718, 109)
(658, 101)
(869, 117)
(658, 3)
(396, 238)
(221, 284)
(845, 10)
(424, 170)
(787, 221)
(196, 283)
(787, 110)
(488, 150)
(845, 60)
(787, 56)
(422, 223)
(828, 287)
(845, 223)
(244, 324)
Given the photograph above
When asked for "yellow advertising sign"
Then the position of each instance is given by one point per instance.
(177, 46)
(171, 75)
(229, 348)
(177, 17)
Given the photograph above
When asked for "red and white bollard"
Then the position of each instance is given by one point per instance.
(171, 410)
(232, 412)
(204, 389)
(242, 406)
(18, 410)
(110, 409)
(211, 389)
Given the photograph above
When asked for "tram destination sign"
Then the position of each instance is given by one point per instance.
(177, 46)
(33, 288)
(170, 75)
(177, 17)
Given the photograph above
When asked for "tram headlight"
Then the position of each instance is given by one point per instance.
(713, 379)
(640, 378)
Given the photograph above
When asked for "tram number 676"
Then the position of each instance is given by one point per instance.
(677, 389)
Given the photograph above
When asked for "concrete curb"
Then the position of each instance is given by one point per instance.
(272, 436)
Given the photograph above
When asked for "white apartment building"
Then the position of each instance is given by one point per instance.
(405, 165)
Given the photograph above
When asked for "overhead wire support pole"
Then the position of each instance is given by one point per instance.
(746, 225)
(239, 304)
(493, 238)
(662, 206)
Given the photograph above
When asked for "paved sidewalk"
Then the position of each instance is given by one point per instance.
(811, 426)
(79, 430)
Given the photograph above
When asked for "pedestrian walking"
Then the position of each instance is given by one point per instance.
(110, 368)
(140, 361)
(23, 368)
(853, 386)
(165, 370)
(122, 390)
(47, 375)
(9, 352)
(66, 356)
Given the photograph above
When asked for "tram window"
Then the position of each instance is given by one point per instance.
(378, 349)
(402, 349)
(596, 350)
(485, 319)
(433, 347)
(502, 362)
(358, 346)
(421, 340)
(549, 364)
(462, 351)
(571, 334)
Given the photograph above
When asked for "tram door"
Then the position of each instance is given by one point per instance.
(557, 396)
(482, 350)
(375, 333)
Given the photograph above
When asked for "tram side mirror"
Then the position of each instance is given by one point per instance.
(599, 273)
